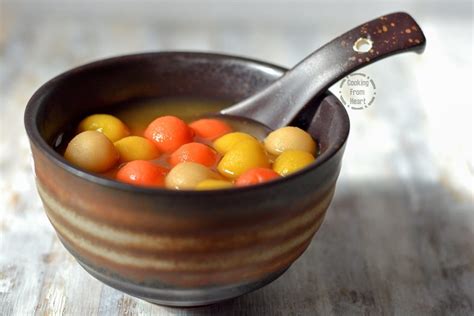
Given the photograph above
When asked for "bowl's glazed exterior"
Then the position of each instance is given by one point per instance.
(175, 247)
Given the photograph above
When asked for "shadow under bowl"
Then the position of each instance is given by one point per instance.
(179, 248)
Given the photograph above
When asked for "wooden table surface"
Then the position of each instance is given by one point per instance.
(398, 238)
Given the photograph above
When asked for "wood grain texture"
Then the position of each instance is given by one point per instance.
(398, 238)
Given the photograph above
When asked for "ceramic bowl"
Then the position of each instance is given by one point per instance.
(179, 248)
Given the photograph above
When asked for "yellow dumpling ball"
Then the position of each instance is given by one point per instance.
(136, 148)
(212, 184)
(225, 143)
(92, 151)
(107, 124)
(242, 157)
(291, 161)
(187, 175)
(289, 138)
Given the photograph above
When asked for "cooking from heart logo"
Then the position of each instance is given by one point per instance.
(357, 91)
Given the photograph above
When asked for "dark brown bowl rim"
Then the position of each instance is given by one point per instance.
(31, 126)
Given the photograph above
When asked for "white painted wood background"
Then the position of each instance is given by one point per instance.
(399, 236)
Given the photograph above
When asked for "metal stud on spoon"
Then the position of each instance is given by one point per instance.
(279, 103)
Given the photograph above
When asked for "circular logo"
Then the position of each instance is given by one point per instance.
(357, 91)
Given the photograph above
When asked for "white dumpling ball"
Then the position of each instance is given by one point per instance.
(289, 138)
(187, 175)
(92, 151)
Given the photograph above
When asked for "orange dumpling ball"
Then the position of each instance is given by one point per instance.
(142, 173)
(210, 129)
(194, 152)
(256, 176)
(169, 133)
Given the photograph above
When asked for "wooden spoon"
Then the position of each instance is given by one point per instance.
(279, 103)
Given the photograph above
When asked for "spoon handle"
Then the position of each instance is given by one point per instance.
(277, 104)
